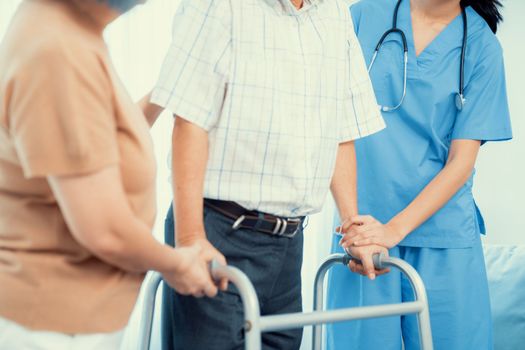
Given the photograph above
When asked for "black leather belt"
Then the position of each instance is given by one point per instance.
(254, 220)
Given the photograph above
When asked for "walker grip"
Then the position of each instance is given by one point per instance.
(213, 266)
(377, 258)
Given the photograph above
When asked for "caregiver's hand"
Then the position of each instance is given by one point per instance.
(365, 266)
(363, 230)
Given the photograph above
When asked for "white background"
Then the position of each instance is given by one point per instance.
(139, 40)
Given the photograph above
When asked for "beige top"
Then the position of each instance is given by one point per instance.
(62, 112)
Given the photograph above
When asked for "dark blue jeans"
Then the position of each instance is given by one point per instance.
(273, 264)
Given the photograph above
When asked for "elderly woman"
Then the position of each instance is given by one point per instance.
(77, 195)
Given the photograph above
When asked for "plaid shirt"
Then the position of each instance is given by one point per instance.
(278, 89)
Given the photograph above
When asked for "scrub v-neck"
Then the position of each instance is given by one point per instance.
(436, 45)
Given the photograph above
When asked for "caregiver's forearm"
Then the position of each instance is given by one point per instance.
(344, 181)
(441, 189)
(190, 156)
(151, 111)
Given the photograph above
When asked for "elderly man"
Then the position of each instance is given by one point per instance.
(268, 96)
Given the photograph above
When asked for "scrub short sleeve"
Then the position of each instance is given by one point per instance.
(192, 81)
(361, 114)
(485, 116)
(60, 113)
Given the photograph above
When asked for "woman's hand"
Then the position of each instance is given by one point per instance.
(365, 265)
(366, 230)
(191, 273)
(208, 253)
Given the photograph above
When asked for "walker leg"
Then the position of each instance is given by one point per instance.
(380, 261)
(249, 298)
(252, 312)
(423, 316)
(151, 285)
(317, 333)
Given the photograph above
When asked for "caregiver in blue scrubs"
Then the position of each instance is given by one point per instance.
(415, 178)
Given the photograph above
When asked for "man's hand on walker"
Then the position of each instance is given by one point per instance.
(365, 265)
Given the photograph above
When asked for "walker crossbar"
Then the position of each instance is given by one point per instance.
(255, 324)
(297, 320)
(419, 306)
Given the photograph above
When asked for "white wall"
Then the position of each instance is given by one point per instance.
(500, 185)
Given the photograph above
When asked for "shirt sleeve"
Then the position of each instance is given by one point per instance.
(486, 115)
(61, 115)
(192, 82)
(361, 115)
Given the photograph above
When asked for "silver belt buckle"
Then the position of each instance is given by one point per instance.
(288, 221)
(237, 224)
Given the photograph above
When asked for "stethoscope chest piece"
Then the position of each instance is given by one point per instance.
(460, 101)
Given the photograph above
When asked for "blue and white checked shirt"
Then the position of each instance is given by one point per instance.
(278, 89)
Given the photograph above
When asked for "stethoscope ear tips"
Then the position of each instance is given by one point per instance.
(460, 101)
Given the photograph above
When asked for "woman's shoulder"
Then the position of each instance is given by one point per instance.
(40, 34)
(479, 32)
(56, 54)
(483, 44)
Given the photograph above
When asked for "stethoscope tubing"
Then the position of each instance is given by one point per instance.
(460, 96)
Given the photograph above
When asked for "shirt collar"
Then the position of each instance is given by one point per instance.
(286, 6)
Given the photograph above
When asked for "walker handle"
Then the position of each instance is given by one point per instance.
(377, 258)
(213, 266)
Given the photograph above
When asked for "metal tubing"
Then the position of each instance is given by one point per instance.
(255, 324)
(248, 295)
(420, 294)
(380, 261)
(317, 333)
(151, 285)
(297, 320)
(252, 312)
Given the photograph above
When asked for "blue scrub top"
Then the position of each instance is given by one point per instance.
(396, 164)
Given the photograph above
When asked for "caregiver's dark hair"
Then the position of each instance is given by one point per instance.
(488, 9)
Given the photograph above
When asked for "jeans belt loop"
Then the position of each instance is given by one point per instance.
(260, 219)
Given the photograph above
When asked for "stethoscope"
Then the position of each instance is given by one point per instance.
(460, 96)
